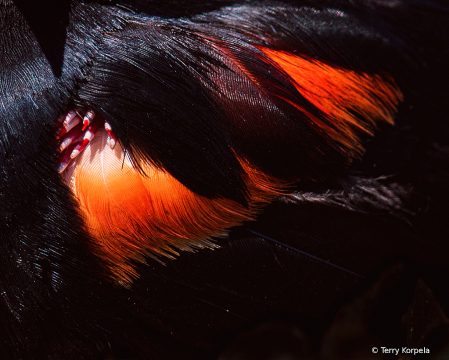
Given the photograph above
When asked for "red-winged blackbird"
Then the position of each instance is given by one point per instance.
(173, 172)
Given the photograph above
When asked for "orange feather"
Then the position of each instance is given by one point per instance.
(352, 101)
(130, 215)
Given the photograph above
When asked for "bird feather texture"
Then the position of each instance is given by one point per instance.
(272, 157)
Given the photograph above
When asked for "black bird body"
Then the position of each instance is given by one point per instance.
(261, 115)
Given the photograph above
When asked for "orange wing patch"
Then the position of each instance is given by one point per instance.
(353, 102)
(131, 216)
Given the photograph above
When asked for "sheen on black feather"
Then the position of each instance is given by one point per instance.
(169, 114)
(150, 68)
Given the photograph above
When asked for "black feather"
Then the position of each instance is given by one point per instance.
(150, 69)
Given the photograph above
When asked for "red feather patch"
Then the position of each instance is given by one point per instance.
(352, 102)
(130, 215)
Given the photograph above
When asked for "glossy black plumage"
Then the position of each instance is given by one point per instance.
(138, 63)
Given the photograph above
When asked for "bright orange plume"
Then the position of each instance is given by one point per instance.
(131, 216)
(353, 102)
